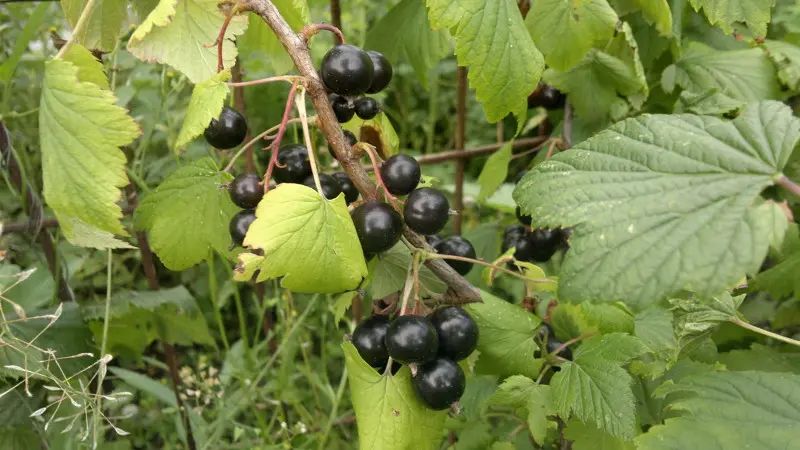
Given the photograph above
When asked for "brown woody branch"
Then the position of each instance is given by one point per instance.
(460, 290)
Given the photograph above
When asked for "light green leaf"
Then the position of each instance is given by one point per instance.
(90, 70)
(28, 33)
(506, 342)
(614, 348)
(786, 57)
(342, 304)
(146, 384)
(83, 235)
(607, 318)
(530, 399)
(689, 224)
(710, 101)
(208, 98)
(492, 40)
(565, 30)
(388, 272)
(654, 326)
(494, 171)
(697, 318)
(763, 358)
(730, 410)
(405, 33)
(726, 13)
(259, 48)
(377, 131)
(294, 220)
(656, 12)
(80, 131)
(589, 437)
(390, 415)
(104, 24)
(177, 32)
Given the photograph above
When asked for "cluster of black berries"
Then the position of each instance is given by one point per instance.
(547, 97)
(546, 339)
(431, 346)
(349, 72)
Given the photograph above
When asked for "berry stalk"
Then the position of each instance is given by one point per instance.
(300, 102)
(276, 143)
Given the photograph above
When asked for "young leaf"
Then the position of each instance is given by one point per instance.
(690, 222)
(81, 130)
(492, 40)
(188, 215)
(177, 32)
(259, 48)
(389, 270)
(494, 171)
(532, 399)
(90, 70)
(697, 318)
(390, 415)
(565, 30)
(726, 13)
(208, 98)
(342, 304)
(309, 241)
(103, 26)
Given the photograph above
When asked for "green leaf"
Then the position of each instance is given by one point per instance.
(730, 410)
(607, 318)
(259, 48)
(506, 343)
(187, 216)
(492, 40)
(763, 358)
(388, 272)
(139, 318)
(146, 384)
(80, 131)
(689, 224)
(786, 58)
(726, 13)
(104, 25)
(654, 327)
(390, 415)
(30, 289)
(588, 437)
(342, 304)
(28, 33)
(294, 220)
(405, 33)
(494, 171)
(655, 12)
(697, 318)
(533, 400)
(177, 32)
(595, 388)
(208, 98)
(565, 30)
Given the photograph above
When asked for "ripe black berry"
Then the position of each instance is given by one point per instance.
(401, 174)
(426, 211)
(368, 338)
(297, 166)
(382, 73)
(239, 225)
(367, 107)
(457, 246)
(412, 339)
(330, 187)
(439, 383)
(544, 242)
(347, 70)
(246, 190)
(378, 226)
(433, 239)
(228, 130)
(349, 189)
(545, 332)
(523, 245)
(343, 108)
(523, 219)
(547, 97)
(552, 346)
(458, 332)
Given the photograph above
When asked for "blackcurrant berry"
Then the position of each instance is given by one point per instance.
(347, 70)
(297, 166)
(545, 332)
(246, 190)
(401, 174)
(564, 235)
(511, 234)
(523, 219)
(368, 338)
(426, 211)
(382, 73)
(457, 246)
(343, 108)
(433, 239)
(378, 226)
(412, 339)
(553, 344)
(228, 130)
(350, 138)
(367, 107)
(239, 225)
(523, 245)
(545, 243)
(330, 187)
(439, 383)
(547, 97)
(458, 332)
(349, 189)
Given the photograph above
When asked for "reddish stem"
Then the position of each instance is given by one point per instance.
(276, 144)
(221, 38)
(376, 168)
(789, 185)
(288, 78)
(314, 28)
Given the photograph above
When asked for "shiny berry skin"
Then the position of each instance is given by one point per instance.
(433, 239)
(367, 108)
(457, 330)
(547, 97)
(457, 246)
(369, 339)
(545, 244)
(298, 167)
(378, 226)
(426, 211)
(511, 234)
(525, 220)
(347, 70)
(524, 247)
(350, 138)
(349, 189)
(330, 187)
(343, 109)
(439, 383)
(553, 344)
(239, 225)
(412, 339)
(382, 72)
(228, 130)
(246, 190)
(401, 174)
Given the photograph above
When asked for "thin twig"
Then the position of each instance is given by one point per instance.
(764, 332)
(287, 78)
(276, 143)
(300, 102)
(789, 185)
(221, 37)
(314, 28)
